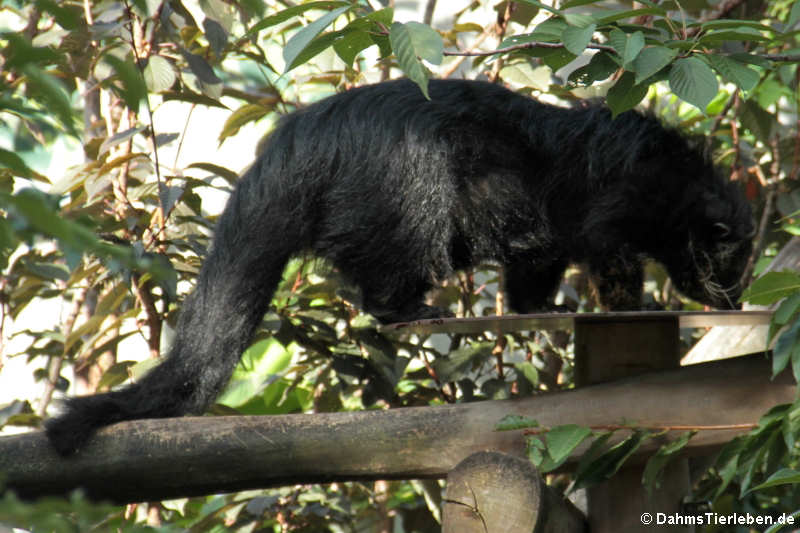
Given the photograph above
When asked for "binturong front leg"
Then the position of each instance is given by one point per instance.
(618, 281)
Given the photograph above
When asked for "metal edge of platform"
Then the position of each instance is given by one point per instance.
(555, 321)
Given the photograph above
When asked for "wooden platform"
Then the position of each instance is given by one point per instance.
(555, 321)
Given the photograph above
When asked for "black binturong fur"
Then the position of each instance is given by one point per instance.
(398, 192)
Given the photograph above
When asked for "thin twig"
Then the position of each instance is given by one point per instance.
(161, 216)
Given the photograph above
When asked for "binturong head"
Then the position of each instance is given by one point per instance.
(710, 264)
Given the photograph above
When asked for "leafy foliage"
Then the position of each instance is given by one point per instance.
(108, 204)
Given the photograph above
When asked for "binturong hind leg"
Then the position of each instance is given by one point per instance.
(398, 299)
(618, 281)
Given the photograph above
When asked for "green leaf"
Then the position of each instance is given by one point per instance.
(319, 44)
(52, 94)
(47, 271)
(528, 371)
(384, 16)
(515, 422)
(734, 71)
(599, 68)
(693, 81)
(288, 13)
(15, 163)
(731, 23)
(578, 20)
(228, 175)
(244, 115)
(219, 13)
(651, 477)
(727, 463)
(630, 13)
(413, 40)
(525, 73)
(305, 36)
(185, 95)
(259, 364)
(785, 349)
(534, 448)
(133, 89)
(67, 17)
(350, 45)
(550, 30)
(541, 5)
(217, 36)
(555, 58)
(158, 74)
(771, 287)
(459, 361)
(794, 15)
(651, 60)
(561, 442)
(787, 310)
(625, 94)
(576, 39)
(783, 476)
(119, 138)
(627, 45)
(607, 464)
(742, 33)
(116, 374)
(200, 68)
(757, 120)
(20, 52)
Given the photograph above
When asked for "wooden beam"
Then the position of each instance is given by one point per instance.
(151, 460)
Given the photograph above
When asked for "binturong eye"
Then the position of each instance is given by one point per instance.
(722, 230)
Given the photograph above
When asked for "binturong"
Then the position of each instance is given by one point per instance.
(398, 191)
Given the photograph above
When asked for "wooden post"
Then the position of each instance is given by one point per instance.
(495, 492)
(606, 349)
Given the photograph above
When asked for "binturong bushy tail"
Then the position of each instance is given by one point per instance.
(253, 240)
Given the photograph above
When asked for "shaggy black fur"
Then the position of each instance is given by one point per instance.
(398, 192)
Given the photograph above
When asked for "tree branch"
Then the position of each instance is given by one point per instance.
(151, 460)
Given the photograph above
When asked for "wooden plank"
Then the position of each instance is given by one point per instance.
(555, 321)
(609, 350)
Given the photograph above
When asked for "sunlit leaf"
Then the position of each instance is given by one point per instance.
(412, 41)
(244, 115)
(561, 442)
(159, 74)
(350, 45)
(771, 287)
(576, 39)
(290, 12)
(303, 37)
